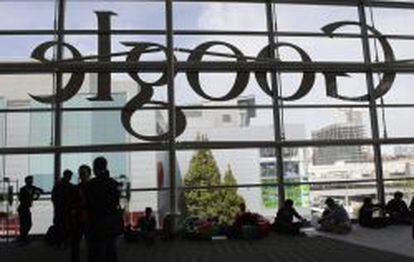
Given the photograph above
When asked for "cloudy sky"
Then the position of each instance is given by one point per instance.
(231, 16)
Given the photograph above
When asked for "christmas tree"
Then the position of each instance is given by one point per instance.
(222, 204)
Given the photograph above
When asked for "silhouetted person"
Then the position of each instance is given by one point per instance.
(78, 212)
(284, 219)
(104, 216)
(366, 215)
(147, 224)
(61, 196)
(27, 194)
(335, 219)
(398, 209)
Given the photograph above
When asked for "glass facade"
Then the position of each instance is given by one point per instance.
(301, 107)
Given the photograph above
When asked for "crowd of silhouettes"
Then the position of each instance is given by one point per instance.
(91, 210)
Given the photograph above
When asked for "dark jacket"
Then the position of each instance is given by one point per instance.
(27, 195)
(285, 215)
(102, 204)
(61, 195)
(395, 206)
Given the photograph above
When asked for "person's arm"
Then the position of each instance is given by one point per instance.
(404, 207)
(388, 206)
(296, 214)
(37, 191)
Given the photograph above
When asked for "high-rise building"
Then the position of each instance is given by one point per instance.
(352, 128)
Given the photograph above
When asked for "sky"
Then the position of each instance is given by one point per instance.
(231, 16)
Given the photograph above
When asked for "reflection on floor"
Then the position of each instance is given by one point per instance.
(272, 249)
(397, 239)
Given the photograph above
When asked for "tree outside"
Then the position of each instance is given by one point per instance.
(222, 204)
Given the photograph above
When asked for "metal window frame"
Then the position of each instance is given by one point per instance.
(174, 145)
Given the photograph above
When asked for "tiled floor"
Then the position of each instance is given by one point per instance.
(396, 239)
(272, 249)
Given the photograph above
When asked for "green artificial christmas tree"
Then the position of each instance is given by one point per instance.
(203, 171)
(210, 203)
(230, 200)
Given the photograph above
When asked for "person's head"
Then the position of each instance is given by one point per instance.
(148, 211)
(367, 201)
(289, 203)
(330, 202)
(67, 175)
(28, 180)
(398, 195)
(84, 172)
(100, 166)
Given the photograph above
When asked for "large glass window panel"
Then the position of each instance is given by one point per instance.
(325, 49)
(237, 124)
(130, 14)
(141, 169)
(396, 122)
(400, 91)
(391, 20)
(87, 45)
(26, 129)
(218, 84)
(98, 127)
(220, 16)
(326, 124)
(397, 161)
(123, 90)
(27, 15)
(18, 48)
(331, 163)
(352, 86)
(40, 166)
(313, 17)
(16, 90)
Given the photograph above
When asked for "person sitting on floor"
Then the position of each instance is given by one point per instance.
(147, 225)
(284, 219)
(398, 210)
(335, 219)
(365, 215)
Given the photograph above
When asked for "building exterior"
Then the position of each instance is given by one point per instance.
(352, 128)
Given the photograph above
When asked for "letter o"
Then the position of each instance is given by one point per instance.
(193, 77)
(308, 77)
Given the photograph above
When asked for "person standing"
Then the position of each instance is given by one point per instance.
(104, 214)
(78, 213)
(61, 194)
(27, 194)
